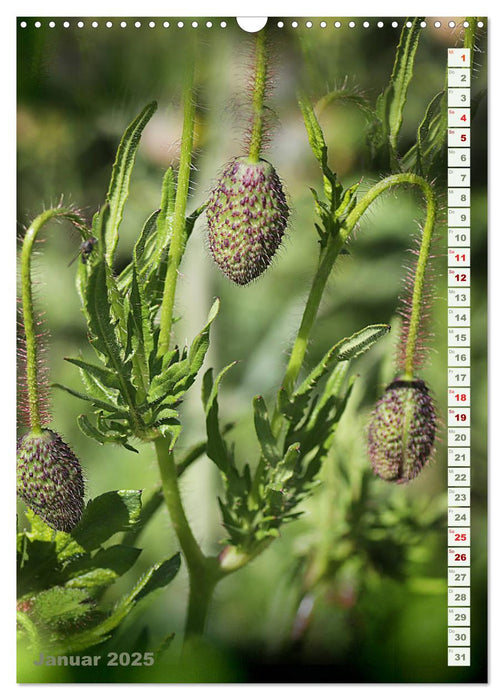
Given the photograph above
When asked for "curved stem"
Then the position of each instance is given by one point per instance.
(203, 571)
(32, 381)
(260, 83)
(192, 552)
(329, 256)
(178, 239)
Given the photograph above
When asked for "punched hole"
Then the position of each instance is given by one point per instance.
(251, 24)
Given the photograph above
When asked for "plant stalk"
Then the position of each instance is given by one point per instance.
(260, 83)
(328, 258)
(203, 571)
(32, 381)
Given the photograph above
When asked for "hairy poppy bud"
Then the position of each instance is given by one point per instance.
(247, 215)
(402, 430)
(49, 479)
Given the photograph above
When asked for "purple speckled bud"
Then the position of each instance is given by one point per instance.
(49, 479)
(247, 215)
(402, 430)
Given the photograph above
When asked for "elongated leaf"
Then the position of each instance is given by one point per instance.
(216, 447)
(269, 448)
(103, 336)
(176, 378)
(361, 342)
(391, 104)
(165, 218)
(315, 134)
(103, 393)
(104, 375)
(141, 252)
(121, 174)
(90, 430)
(157, 577)
(200, 344)
(140, 336)
(96, 402)
(346, 349)
(98, 232)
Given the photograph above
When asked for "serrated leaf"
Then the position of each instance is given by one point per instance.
(102, 569)
(346, 349)
(176, 378)
(157, 577)
(361, 342)
(105, 376)
(121, 175)
(114, 511)
(200, 344)
(165, 218)
(90, 430)
(154, 579)
(98, 232)
(315, 134)
(103, 337)
(58, 605)
(141, 253)
(390, 105)
(140, 336)
(269, 448)
(216, 447)
(95, 401)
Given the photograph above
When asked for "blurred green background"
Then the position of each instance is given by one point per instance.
(380, 613)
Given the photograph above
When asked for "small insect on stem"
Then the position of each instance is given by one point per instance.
(85, 250)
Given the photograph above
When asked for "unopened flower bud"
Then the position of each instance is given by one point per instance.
(402, 430)
(247, 215)
(49, 479)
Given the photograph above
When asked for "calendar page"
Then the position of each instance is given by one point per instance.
(252, 312)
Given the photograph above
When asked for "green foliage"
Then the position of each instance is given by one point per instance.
(62, 577)
(291, 456)
(134, 391)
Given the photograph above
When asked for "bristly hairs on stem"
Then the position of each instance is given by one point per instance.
(260, 87)
(36, 410)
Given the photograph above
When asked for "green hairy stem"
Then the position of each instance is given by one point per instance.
(32, 383)
(330, 254)
(260, 83)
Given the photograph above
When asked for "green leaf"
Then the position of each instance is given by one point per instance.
(216, 447)
(98, 232)
(165, 218)
(103, 337)
(176, 378)
(200, 344)
(140, 336)
(57, 605)
(157, 577)
(102, 569)
(115, 511)
(426, 129)
(269, 448)
(105, 376)
(92, 399)
(121, 175)
(141, 253)
(390, 105)
(361, 342)
(346, 349)
(315, 134)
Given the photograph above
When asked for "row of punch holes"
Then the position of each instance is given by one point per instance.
(309, 24)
